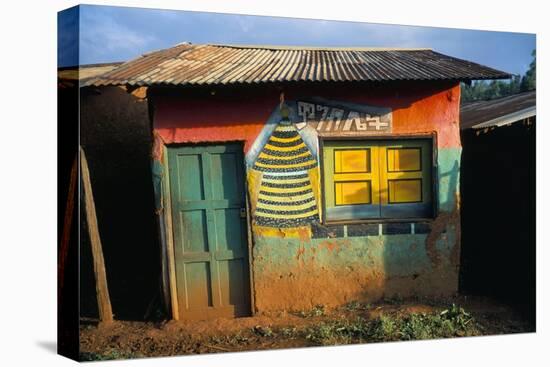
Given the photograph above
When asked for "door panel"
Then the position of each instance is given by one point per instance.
(211, 252)
(195, 240)
(198, 285)
(229, 229)
(226, 167)
(190, 187)
(231, 275)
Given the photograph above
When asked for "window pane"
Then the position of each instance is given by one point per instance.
(347, 161)
(405, 191)
(404, 159)
(355, 192)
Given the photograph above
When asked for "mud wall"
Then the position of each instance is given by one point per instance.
(116, 136)
(299, 266)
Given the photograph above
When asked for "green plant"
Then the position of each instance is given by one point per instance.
(316, 311)
(338, 332)
(263, 331)
(289, 332)
(419, 326)
(453, 321)
(383, 328)
(457, 315)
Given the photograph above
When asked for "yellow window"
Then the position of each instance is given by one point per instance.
(377, 179)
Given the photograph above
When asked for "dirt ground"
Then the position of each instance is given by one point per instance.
(355, 322)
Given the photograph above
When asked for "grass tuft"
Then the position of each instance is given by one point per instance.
(453, 321)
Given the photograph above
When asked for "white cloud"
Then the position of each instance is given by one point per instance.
(101, 35)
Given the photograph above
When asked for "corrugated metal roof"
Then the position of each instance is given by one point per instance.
(512, 108)
(187, 64)
(84, 72)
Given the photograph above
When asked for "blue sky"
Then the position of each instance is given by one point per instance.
(110, 34)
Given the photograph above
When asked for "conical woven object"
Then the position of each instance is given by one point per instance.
(285, 197)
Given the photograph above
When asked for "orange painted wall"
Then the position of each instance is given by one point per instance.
(438, 112)
(239, 114)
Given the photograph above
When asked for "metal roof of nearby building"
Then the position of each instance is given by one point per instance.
(498, 112)
(187, 64)
(72, 76)
(85, 72)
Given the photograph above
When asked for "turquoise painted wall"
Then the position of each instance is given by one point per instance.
(448, 161)
(299, 273)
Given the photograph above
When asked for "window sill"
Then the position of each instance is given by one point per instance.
(378, 221)
(414, 226)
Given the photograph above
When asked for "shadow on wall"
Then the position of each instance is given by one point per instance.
(448, 181)
(426, 263)
(498, 215)
(115, 135)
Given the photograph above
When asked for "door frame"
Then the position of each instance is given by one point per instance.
(170, 258)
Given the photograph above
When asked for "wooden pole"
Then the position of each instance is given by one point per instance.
(67, 224)
(167, 212)
(103, 300)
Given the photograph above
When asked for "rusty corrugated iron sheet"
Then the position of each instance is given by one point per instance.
(69, 77)
(481, 112)
(84, 72)
(187, 64)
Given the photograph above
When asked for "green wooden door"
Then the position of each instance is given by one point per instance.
(211, 252)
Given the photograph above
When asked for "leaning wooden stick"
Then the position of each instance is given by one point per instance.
(67, 224)
(103, 300)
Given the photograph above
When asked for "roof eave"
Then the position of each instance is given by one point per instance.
(507, 119)
(98, 82)
(493, 77)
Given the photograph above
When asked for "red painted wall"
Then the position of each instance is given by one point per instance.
(239, 114)
(192, 119)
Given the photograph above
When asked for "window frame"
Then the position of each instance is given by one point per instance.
(434, 177)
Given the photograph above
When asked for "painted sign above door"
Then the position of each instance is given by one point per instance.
(337, 118)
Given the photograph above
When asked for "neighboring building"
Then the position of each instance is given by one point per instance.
(505, 111)
(115, 133)
(295, 176)
(498, 199)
